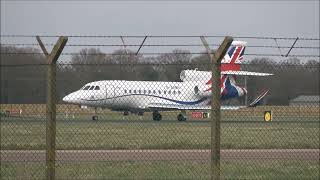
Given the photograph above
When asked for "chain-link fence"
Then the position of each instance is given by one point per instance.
(123, 116)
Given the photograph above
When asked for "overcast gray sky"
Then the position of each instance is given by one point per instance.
(242, 18)
(236, 18)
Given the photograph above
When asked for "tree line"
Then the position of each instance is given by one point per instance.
(23, 73)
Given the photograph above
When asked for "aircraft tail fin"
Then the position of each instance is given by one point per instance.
(234, 56)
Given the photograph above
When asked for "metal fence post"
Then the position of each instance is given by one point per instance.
(215, 103)
(51, 104)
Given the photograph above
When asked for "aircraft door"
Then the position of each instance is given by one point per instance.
(109, 94)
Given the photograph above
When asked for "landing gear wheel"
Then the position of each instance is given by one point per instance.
(156, 116)
(94, 118)
(181, 117)
(125, 113)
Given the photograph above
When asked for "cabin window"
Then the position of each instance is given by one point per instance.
(164, 92)
(154, 91)
(130, 91)
(169, 92)
(144, 91)
(86, 88)
(134, 91)
(139, 91)
(149, 92)
(179, 92)
(125, 91)
(159, 92)
(97, 88)
(174, 92)
(91, 88)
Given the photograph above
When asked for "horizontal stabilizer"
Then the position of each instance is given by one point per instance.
(245, 73)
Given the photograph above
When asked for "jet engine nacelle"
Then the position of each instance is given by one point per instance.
(194, 75)
(202, 90)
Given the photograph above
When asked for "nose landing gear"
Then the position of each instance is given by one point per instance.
(182, 116)
(95, 117)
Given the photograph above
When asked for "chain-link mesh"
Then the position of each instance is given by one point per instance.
(135, 117)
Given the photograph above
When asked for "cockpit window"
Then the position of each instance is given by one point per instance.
(91, 87)
(97, 88)
(86, 88)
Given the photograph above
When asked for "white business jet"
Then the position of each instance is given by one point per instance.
(193, 93)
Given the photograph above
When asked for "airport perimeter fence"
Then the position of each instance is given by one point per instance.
(153, 129)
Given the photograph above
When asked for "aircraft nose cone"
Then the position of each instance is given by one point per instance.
(70, 98)
(67, 98)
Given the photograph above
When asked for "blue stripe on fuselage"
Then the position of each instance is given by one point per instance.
(172, 100)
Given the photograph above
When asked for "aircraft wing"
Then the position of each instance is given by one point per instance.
(191, 107)
(164, 106)
(176, 106)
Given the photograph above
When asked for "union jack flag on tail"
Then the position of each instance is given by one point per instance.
(234, 56)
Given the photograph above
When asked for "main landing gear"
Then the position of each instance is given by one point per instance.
(182, 116)
(139, 113)
(156, 116)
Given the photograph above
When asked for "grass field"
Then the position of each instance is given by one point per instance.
(241, 169)
(113, 131)
(138, 132)
(297, 111)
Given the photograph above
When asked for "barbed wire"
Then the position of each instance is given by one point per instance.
(158, 36)
(155, 53)
(154, 45)
(160, 45)
(280, 64)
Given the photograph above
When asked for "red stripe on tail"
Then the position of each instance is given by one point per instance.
(230, 67)
(236, 55)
